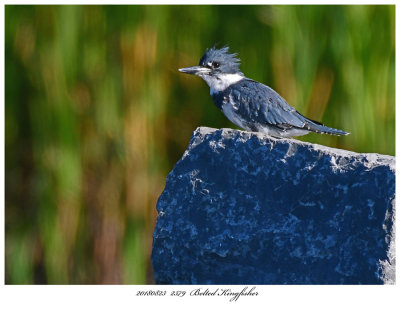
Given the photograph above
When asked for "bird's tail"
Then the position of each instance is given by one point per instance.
(318, 127)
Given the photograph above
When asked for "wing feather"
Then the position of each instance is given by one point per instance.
(263, 105)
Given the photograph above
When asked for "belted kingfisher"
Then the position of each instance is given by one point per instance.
(249, 104)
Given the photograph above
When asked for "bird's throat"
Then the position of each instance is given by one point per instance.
(220, 82)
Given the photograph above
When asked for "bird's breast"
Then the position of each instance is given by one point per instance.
(232, 114)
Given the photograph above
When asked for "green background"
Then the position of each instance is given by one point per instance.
(96, 115)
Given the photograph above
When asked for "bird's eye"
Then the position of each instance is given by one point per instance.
(215, 65)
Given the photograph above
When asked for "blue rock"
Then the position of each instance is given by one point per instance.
(245, 208)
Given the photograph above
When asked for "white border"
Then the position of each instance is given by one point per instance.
(124, 296)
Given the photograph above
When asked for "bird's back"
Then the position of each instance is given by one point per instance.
(257, 107)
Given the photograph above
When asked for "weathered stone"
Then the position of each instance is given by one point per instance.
(244, 208)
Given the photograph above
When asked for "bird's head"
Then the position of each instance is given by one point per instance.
(215, 62)
(217, 67)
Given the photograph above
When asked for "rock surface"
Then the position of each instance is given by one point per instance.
(244, 208)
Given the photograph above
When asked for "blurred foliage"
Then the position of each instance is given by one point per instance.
(96, 115)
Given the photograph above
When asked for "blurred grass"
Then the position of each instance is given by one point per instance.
(96, 115)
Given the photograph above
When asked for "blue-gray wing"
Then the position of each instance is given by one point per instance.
(259, 104)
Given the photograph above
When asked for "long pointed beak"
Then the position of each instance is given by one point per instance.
(195, 70)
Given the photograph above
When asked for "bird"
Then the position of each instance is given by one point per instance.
(249, 104)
